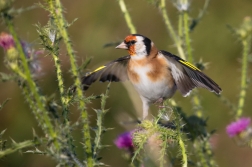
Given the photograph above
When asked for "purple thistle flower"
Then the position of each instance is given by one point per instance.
(237, 127)
(124, 141)
(6, 41)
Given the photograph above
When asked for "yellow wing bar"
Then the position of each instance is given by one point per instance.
(98, 69)
(189, 65)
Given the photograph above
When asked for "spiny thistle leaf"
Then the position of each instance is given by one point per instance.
(49, 36)
(2, 105)
(196, 21)
(7, 77)
(201, 65)
(36, 151)
(245, 30)
(111, 44)
(69, 24)
(139, 141)
(2, 142)
(13, 11)
(13, 141)
(2, 133)
(86, 99)
(85, 64)
(100, 129)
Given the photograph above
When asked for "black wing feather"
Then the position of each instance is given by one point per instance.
(187, 76)
(114, 71)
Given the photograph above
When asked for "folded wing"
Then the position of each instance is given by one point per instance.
(187, 76)
(114, 71)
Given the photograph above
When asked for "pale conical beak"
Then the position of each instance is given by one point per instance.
(122, 46)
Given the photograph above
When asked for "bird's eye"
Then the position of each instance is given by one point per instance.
(132, 42)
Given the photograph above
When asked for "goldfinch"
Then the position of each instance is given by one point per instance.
(155, 74)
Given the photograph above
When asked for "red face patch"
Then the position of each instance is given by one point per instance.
(130, 38)
(131, 49)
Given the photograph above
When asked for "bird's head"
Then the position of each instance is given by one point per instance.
(137, 45)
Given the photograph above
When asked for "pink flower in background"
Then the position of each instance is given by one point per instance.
(237, 127)
(124, 141)
(6, 41)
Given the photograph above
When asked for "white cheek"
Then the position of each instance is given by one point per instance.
(140, 52)
(140, 48)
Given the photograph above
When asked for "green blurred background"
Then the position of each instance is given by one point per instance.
(100, 22)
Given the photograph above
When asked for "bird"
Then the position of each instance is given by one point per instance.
(155, 74)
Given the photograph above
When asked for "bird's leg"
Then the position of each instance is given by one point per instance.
(145, 109)
(165, 111)
(160, 102)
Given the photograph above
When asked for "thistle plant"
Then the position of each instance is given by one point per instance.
(171, 138)
(178, 39)
(240, 127)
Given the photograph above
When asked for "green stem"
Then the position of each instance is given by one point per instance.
(179, 138)
(127, 17)
(100, 129)
(200, 153)
(180, 26)
(63, 97)
(187, 36)
(203, 11)
(170, 29)
(57, 12)
(16, 70)
(17, 147)
(97, 141)
(45, 123)
(204, 152)
(245, 44)
(195, 96)
(30, 102)
(183, 151)
(201, 14)
(209, 153)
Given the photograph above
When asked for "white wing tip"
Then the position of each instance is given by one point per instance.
(187, 94)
